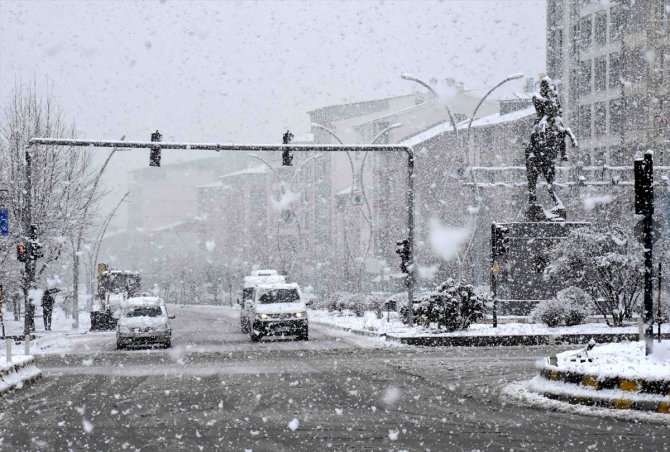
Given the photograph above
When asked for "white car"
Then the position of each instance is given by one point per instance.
(144, 321)
(275, 309)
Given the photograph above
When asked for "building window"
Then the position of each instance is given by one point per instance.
(585, 33)
(615, 70)
(599, 119)
(600, 28)
(617, 19)
(616, 115)
(584, 131)
(637, 111)
(665, 68)
(574, 84)
(600, 73)
(585, 77)
(637, 65)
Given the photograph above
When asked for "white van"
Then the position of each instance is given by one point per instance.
(257, 277)
(275, 309)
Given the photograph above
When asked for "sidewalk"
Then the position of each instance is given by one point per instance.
(60, 339)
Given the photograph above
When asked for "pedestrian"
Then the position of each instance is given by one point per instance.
(47, 309)
(67, 306)
(16, 297)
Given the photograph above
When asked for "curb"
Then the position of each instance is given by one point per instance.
(349, 330)
(10, 379)
(512, 340)
(491, 340)
(594, 382)
(617, 404)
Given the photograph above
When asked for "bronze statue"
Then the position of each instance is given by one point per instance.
(547, 144)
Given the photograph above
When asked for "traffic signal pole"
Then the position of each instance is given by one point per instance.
(644, 205)
(285, 150)
(30, 261)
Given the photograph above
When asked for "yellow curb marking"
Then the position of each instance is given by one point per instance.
(629, 385)
(590, 381)
(622, 404)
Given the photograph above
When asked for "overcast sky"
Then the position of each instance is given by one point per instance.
(244, 71)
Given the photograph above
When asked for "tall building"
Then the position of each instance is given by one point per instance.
(611, 58)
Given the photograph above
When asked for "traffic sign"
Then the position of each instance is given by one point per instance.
(656, 231)
(4, 222)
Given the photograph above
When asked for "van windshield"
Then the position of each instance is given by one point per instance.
(279, 296)
(148, 311)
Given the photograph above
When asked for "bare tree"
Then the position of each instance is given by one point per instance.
(62, 178)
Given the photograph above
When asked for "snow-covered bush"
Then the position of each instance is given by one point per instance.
(356, 304)
(569, 308)
(607, 262)
(550, 312)
(578, 305)
(452, 306)
(337, 301)
(375, 302)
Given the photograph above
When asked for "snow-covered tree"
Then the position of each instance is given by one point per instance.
(608, 264)
(61, 179)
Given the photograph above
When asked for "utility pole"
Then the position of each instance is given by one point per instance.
(644, 205)
(30, 262)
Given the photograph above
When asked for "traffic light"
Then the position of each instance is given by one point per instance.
(35, 249)
(286, 156)
(402, 248)
(499, 240)
(21, 252)
(644, 185)
(155, 156)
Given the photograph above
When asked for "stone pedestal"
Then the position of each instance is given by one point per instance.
(536, 214)
(520, 282)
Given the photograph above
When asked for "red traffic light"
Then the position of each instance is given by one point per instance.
(21, 252)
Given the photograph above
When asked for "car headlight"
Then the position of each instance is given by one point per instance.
(262, 316)
(300, 315)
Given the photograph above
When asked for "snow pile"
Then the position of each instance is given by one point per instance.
(624, 359)
(15, 374)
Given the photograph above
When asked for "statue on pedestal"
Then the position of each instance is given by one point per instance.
(547, 145)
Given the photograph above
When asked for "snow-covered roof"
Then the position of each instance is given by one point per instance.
(167, 227)
(253, 281)
(267, 272)
(261, 169)
(144, 301)
(277, 286)
(212, 185)
(463, 125)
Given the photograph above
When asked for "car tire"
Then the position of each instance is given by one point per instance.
(120, 346)
(168, 343)
(304, 334)
(255, 337)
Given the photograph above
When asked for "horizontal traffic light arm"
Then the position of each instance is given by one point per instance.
(221, 146)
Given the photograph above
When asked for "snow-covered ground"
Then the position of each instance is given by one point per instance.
(61, 339)
(370, 322)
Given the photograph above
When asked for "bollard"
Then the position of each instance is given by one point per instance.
(640, 328)
(553, 359)
(26, 345)
(8, 350)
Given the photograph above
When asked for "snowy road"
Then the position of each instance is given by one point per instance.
(217, 390)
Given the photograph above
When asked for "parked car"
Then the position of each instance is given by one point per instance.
(144, 321)
(275, 309)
